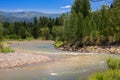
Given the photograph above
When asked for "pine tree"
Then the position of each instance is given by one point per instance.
(36, 29)
(115, 3)
(82, 6)
(1, 34)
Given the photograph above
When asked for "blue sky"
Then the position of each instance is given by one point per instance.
(46, 6)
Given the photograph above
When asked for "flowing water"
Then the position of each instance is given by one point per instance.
(64, 67)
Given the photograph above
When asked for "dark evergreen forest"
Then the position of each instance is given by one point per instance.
(43, 28)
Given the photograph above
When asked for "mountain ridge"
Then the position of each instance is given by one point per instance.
(24, 15)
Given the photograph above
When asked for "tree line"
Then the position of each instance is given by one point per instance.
(84, 27)
(81, 27)
(43, 28)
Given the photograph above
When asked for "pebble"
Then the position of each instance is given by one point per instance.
(18, 59)
(99, 49)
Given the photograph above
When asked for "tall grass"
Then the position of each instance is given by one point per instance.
(108, 75)
(113, 63)
(6, 50)
(113, 72)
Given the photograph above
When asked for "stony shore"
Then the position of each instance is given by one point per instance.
(19, 59)
(23, 57)
(101, 49)
(95, 49)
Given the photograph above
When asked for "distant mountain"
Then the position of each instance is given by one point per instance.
(2, 18)
(23, 16)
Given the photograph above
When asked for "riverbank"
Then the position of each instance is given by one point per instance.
(101, 49)
(29, 52)
(93, 49)
(17, 59)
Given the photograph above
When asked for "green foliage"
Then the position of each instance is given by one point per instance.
(100, 27)
(82, 26)
(1, 32)
(115, 3)
(71, 27)
(39, 28)
(57, 32)
(6, 50)
(60, 20)
(113, 63)
(113, 73)
(108, 75)
(36, 31)
(45, 32)
(1, 44)
(58, 44)
(82, 6)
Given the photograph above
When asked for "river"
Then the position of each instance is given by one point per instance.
(66, 65)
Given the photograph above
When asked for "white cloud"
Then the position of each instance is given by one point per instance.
(67, 6)
(18, 10)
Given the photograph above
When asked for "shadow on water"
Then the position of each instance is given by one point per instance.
(64, 66)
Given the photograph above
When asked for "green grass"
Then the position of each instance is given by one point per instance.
(113, 63)
(108, 75)
(113, 72)
(6, 50)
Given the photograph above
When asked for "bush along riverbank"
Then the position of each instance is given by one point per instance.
(4, 48)
(113, 72)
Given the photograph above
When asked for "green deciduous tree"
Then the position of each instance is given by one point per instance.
(46, 33)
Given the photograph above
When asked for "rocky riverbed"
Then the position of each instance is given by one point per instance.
(100, 49)
(19, 59)
(94, 49)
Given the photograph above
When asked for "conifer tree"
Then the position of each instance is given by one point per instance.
(1, 34)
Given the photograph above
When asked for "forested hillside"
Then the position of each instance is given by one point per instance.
(27, 16)
(43, 28)
(84, 27)
(81, 27)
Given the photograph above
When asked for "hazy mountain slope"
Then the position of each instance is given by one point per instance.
(23, 16)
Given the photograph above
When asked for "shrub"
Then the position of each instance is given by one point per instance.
(58, 44)
(113, 63)
(6, 50)
(108, 75)
(113, 73)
